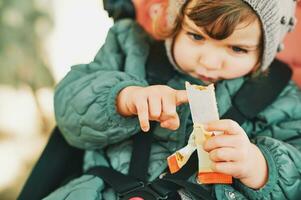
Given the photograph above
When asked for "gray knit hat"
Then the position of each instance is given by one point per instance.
(277, 18)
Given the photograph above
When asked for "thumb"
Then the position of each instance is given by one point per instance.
(181, 97)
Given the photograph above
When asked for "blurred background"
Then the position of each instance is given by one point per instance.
(39, 41)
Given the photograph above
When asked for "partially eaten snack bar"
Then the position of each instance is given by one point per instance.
(203, 108)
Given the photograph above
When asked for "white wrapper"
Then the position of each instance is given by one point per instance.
(203, 109)
(202, 103)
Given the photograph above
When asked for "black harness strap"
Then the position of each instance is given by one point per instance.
(246, 105)
(126, 186)
(143, 142)
(121, 183)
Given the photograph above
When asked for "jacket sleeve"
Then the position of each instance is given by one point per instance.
(84, 100)
(279, 139)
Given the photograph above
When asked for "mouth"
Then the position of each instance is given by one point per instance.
(206, 79)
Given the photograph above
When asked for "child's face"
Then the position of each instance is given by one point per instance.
(211, 60)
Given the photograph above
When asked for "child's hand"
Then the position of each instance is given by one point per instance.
(157, 103)
(233, 154)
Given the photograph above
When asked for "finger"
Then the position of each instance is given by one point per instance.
(171, 123)
(168, 108)
(142, 111)
(230, 168)
(155, 107)
(181, 97)
(169, 116)
(220, 141)
(226, 125)
(225, 154)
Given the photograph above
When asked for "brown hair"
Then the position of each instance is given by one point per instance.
(219, 20)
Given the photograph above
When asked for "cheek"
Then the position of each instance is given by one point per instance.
(181, 53)
(185, 53)
(238, 67)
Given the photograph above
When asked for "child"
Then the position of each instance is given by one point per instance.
(101, 105)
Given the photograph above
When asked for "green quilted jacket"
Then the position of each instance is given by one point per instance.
(86, 114)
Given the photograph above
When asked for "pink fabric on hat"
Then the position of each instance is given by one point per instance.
(147, 11)
(292, 51)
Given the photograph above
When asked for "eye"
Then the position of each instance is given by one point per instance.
(239, 50)
(195, 36)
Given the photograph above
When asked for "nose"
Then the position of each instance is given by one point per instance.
(211, 60)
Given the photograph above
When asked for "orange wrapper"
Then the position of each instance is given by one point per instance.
(213, 178)
(173, 164)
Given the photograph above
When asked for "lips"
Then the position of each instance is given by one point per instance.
(205, 78)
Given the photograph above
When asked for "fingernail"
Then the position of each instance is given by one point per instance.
(145, 128)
